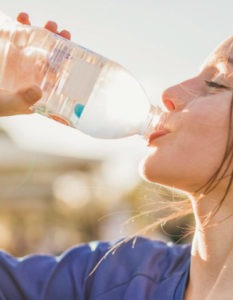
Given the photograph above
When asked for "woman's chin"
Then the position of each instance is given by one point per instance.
(148, 172)
(162, 173)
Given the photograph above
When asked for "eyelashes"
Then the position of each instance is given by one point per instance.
(215, 85)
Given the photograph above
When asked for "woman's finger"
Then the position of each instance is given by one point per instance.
(23, 18)
(51, 26)
(65, 34)
(19, 102)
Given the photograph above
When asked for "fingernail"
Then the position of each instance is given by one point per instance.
(32, 94)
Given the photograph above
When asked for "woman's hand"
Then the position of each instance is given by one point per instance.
(18, 102)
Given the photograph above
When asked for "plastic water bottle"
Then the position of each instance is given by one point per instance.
(81, 89)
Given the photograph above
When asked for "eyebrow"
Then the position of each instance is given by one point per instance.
(224, 59)
(230, 60)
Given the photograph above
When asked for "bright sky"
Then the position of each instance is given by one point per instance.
(161, 42)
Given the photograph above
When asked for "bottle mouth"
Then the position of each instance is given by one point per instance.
(151, 122)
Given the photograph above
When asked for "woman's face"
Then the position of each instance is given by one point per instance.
(194, 131)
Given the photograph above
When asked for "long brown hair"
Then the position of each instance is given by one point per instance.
(222, 170)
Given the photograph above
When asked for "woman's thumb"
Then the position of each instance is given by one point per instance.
(28, 96)
(19, 102)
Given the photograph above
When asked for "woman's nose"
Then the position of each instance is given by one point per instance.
(175, 98)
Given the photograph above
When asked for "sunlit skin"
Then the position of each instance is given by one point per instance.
(18, 101)
(186, 157)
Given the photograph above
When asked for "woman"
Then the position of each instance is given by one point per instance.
(192, 151)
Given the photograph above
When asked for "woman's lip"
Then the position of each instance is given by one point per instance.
(156, 134)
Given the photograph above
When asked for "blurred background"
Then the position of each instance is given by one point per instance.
(59, 187)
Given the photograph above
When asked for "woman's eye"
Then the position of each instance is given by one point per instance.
(215, 85)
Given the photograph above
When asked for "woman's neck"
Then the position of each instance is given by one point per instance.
(212, 246)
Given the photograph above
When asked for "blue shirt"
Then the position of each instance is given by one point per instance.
(147, 270)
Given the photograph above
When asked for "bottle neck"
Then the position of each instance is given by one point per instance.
(151, 121)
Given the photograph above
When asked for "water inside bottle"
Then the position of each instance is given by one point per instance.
(81, 88)
(94, 95)
(117, 106)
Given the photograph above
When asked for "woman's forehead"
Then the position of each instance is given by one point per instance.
(223, 53)
(225, 49)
